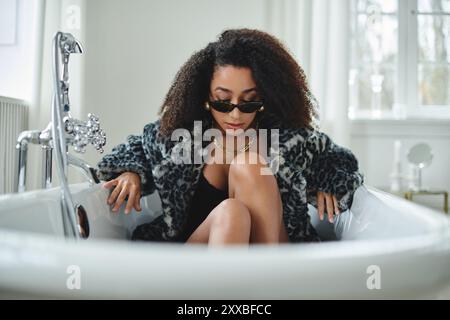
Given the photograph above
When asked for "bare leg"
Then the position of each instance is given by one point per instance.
(228, 223)
(260, 194)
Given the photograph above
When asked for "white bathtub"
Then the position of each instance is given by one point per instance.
(388, 248)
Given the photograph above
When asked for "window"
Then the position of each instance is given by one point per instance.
(8, 10)
(399, 58)
(18, 48)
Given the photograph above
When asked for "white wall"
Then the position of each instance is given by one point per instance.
(373, 144)
(134, 49)
(132, 52)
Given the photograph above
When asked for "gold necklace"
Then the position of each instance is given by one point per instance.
(246, 147)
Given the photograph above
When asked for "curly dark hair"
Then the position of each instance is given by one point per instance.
(280, 81)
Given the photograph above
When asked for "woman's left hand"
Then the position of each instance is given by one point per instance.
(329, 202)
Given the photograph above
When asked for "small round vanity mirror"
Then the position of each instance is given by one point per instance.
(420, 155)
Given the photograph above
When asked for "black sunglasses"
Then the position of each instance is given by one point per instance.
(245, 107)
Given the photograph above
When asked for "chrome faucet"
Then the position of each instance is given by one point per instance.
(79, 134)
(42, 138)
(25, 137)
(63, 131)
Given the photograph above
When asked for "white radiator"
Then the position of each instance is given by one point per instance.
(13, 120)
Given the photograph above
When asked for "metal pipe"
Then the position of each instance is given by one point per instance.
(23, 140)
(22, 176)
(59, 140)
(87, 170)
(47, 167)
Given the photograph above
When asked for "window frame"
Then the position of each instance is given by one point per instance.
(406, 91)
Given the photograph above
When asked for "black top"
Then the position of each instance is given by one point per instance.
(205, 199)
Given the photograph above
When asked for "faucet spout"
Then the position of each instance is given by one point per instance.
(88, 171)
(69, 44)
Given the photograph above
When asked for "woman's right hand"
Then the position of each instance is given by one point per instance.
(128, 184)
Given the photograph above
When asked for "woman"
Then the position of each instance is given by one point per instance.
(245, 80)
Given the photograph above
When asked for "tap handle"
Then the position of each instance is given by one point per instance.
(85, 132)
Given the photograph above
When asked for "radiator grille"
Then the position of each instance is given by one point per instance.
(13, 120)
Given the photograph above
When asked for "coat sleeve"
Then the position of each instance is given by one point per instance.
(134, 156)
(332, 169)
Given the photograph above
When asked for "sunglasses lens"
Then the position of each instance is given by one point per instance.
(250, 107)
(247, 107)
(220, 106)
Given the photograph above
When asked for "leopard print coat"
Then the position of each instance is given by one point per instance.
(308, 160)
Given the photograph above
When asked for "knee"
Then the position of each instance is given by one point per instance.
(247, 167)
(232, 214)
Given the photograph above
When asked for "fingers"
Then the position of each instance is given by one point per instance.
(328, 202)
(110, 184)
(320, 204)
(120, 199)
(131, 200)
(330, 207)
(126, 185)
(336, 206)
(114, 194)
(137, 203)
